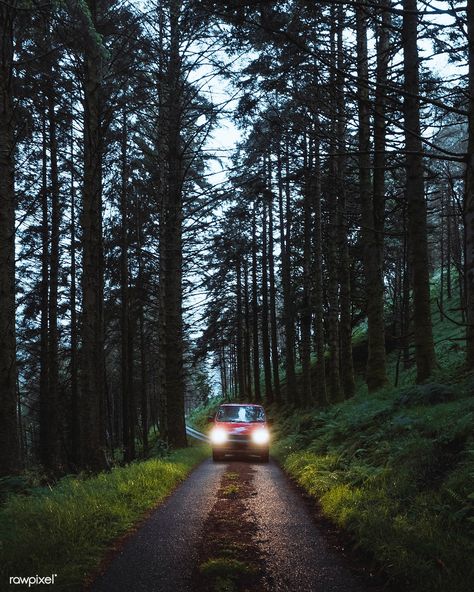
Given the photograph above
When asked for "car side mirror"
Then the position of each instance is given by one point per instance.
(210, 420)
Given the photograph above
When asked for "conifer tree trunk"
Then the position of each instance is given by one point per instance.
(415, 195)
(345, 324)
(375, 371)
(162, 194)
(256, 355)
(406, 308)
(377, 375)
(75, 409)
(143, 384)
(126, 363)
(9, 443)
(285, 246)
(273, 314)
(144, 370)
(265, 327)
(239, 333)
(334, 378)
(333, 336)
(44, 401)
(449, 216)
(306, 308)
(55, 454)
(247, 347)
(92, 327)
(469, 197)
(320, 382)
(172, 248)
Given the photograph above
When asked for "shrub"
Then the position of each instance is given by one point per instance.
(425, 394)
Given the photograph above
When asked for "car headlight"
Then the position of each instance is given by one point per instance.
(261, 436)
(218, 435)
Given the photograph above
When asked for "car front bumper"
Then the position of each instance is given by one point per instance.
(235, 444)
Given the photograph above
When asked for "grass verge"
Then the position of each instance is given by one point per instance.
(396, 470)
(67, 529)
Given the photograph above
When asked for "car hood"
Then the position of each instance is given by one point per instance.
(240, 428)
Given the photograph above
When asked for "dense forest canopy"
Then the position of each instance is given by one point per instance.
(133, 278)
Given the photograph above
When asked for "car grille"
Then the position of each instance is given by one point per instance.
(239, 438)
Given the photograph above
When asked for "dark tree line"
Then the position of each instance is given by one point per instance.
(351, 187)
(103, 124)
(360, 150)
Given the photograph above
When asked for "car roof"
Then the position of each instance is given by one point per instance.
(240, 405)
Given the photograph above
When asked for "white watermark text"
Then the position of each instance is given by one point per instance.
(32, 580)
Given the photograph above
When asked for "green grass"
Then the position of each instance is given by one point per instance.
(222, 573)
(224, 566)
(230, 490)
(68, 528)
(396, 470)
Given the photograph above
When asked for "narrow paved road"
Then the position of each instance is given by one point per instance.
(161, 555)
(299, 558)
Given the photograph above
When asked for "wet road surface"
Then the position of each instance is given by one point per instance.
(161, 555)
(298, 555)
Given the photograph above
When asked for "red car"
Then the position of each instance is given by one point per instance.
(240, 428)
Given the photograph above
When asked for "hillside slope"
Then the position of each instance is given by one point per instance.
(395, 469)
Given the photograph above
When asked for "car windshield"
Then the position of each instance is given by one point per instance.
(240, 413)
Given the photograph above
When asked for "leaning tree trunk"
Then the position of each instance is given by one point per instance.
(92, 327)
(415, 195)
(9, 444)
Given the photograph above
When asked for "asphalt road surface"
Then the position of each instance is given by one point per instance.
(161, 555)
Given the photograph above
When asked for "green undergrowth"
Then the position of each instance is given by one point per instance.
(396, 470)
(67, 529)
(222, 573)
(200, 416)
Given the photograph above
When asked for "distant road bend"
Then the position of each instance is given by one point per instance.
(162, 555)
